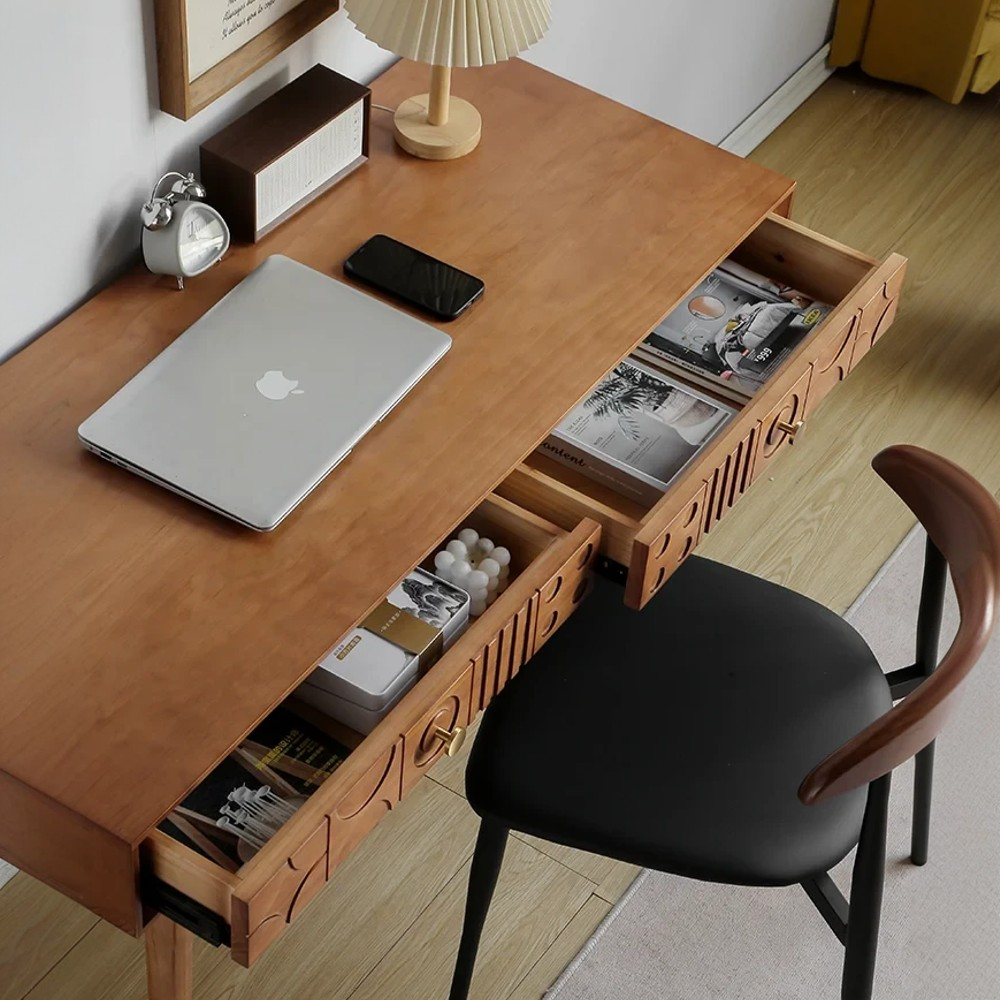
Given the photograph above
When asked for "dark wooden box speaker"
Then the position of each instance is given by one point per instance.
(280, 155)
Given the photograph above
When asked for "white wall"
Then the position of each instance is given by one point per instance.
(701, 65)
(81, 139)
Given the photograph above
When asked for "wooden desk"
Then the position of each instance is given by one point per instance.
(143, 637)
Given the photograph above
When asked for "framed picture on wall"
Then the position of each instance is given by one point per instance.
(205, 47)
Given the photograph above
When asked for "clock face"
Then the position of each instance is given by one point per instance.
(202, 239)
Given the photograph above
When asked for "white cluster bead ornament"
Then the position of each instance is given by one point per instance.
(477, 565)
(490, 567)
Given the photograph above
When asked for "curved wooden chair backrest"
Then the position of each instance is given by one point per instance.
(962, 520)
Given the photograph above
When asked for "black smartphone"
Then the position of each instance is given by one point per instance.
(414, 277)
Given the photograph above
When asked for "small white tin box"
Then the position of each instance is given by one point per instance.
(360, 681)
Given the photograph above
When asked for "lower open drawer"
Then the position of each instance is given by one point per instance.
(251, 907)
(645, 544)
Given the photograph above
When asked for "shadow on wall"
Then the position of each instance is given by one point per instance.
(117, 238)
(99, 108)
(149, 37)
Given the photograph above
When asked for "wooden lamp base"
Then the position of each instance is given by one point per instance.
(456, 137)
(436, 126)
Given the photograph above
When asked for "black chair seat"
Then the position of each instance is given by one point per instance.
(677, 738)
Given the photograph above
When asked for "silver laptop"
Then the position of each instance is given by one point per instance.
(253, 405)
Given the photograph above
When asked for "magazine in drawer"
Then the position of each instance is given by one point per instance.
(643, 542)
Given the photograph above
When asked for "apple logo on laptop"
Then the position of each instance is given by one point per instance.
(273, 385)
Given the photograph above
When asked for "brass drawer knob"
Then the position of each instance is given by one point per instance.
(791, 429)
(452, 740)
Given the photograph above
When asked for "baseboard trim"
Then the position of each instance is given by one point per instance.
(7, 872)
(753, 130)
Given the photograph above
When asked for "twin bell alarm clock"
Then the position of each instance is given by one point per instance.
(181, 235)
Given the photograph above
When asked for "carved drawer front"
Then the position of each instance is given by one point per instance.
(654, 560)
(271, 896)
(780, 425)
(561, 586)
(732, 478)
(503, 656)
(259, 900)
(259, 920)
(832, 359)
(439, 729)
(560, 596)
(371, 798)
(878, 308)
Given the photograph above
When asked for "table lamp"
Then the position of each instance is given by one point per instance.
(447, 33)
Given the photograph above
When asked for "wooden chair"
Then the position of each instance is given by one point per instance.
(735, 731)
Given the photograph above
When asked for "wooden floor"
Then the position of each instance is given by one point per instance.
(879, 168)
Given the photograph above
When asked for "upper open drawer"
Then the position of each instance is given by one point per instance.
(250, 905)
(647, 542)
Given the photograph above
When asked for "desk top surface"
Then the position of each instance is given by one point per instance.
(142, 636)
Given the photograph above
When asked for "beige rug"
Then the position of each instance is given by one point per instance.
(673, 939)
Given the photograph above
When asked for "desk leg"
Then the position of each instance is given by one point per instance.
(169, 960)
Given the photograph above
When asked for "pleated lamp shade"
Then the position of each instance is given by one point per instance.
(452, 32)
(447, 33)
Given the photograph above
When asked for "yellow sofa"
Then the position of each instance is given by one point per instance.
(945, 46)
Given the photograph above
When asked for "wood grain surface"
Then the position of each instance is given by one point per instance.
(144, 636)
(884, 168)
(169, 960)
(878, 167)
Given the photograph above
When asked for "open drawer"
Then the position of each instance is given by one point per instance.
(647, 543)
(250, 907)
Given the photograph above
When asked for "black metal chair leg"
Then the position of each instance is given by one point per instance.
(490, 845)
(932, 594)
(922, 788)
(865, 907)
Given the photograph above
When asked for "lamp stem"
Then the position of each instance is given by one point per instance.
(437, 107)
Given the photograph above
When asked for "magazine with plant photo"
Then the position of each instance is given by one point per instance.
(733, 331)
(636, 431)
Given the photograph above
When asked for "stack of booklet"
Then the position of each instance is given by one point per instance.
(733, 331)
(636, 431)
(643, 424)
